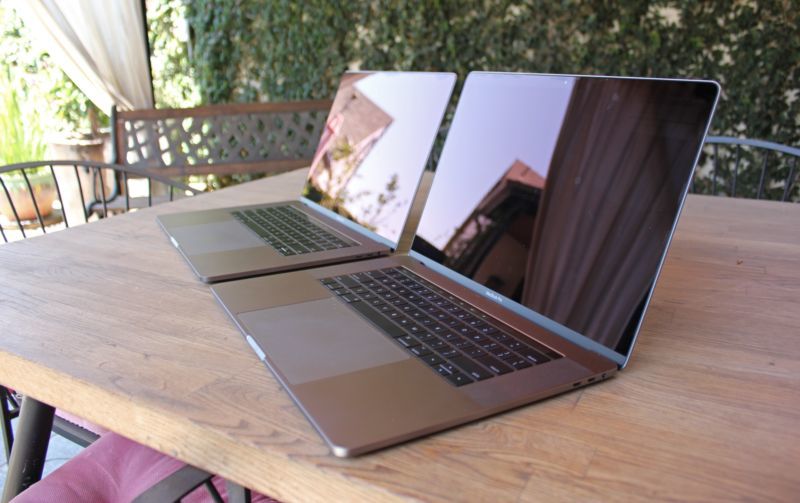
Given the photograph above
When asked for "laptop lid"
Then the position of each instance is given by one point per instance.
(557, 196)
(374, 148)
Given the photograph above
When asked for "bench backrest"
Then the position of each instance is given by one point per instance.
(220, 139)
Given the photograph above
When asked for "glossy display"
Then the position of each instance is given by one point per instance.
(375, 145)
(561, 192)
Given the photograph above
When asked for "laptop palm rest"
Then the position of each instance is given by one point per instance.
(318, 340)
(215, 237)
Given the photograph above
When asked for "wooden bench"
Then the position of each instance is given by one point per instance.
(219, 139)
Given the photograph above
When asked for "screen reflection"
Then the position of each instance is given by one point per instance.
(375, 145)
(560, 192)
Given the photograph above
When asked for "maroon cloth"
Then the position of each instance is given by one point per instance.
(114, 469)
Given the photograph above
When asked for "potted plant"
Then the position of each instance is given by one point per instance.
(21, 140)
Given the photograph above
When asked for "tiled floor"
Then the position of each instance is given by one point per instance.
(59, 452)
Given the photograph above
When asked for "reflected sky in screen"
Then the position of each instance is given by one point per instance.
(375, 146)
(498, 122)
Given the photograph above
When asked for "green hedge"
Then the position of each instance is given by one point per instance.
(280, 49)
(245, 50)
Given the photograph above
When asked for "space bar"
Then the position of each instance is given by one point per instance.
(376, 318)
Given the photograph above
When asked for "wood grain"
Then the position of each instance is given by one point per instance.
(225, 109)
(107, 321)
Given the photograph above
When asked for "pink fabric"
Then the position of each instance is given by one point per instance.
(113, 469)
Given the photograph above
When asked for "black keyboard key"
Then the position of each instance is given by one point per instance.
(474, 336)
(458, 379)
(532, 355)
(475, 352)
(503, 353)
(347, 281)
(490, 345)
(452, 337)
(432, 359)
(408, 341)
(448, 352)
(472, 369)
(494, 365)
(375, 317)
(544, 350)
(415, 330)
(518, 363)
(487, 329)
(420, 351)
(515, 345)
(446, 368)
(436, 344)
(426, 337)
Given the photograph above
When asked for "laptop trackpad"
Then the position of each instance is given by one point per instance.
(319, 339)
(215, 237)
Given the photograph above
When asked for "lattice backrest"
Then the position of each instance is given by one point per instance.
(253, 137)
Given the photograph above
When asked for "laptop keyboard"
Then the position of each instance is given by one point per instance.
(457, 341)
(290, 231)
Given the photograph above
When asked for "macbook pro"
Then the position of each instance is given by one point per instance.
(537, 252)
(357, 195)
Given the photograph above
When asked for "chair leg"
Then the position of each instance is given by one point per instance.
(237, 493)
(30, 448)
(178, 485)
(8, 411)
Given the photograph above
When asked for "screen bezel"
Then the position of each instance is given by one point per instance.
(621, 359)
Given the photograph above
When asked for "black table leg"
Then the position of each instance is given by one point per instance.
(30, 447)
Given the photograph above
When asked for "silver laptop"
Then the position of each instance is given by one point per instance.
(358, 194)
(537, 252)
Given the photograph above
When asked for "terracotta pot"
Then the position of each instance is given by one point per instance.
(44, 190)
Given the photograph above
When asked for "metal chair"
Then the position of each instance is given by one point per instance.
(740, 167)
(47, 195)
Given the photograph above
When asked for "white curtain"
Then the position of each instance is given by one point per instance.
(99, 44)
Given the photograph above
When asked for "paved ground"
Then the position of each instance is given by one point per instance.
(60, 451)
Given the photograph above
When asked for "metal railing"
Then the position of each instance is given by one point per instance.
(748, 168)
(22, 202)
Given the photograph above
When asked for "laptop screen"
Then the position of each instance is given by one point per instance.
(375, 145)
(561, 192)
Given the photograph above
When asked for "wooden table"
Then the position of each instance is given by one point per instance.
(107, 321)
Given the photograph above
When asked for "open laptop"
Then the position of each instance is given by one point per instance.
(358, 193)
(548, 221)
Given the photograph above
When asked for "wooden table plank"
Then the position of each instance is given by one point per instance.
(108, 322)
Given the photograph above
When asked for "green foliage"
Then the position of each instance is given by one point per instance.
(38, 80)
(281, 49)
(21, 139)
(173, 76)
(272, 50)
